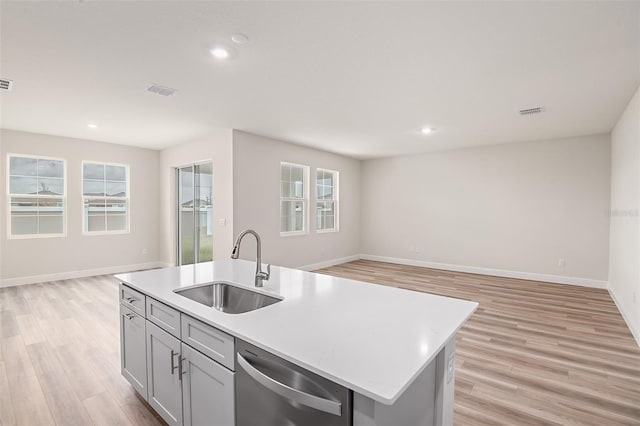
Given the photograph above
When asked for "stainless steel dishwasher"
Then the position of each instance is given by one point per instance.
(273, 392)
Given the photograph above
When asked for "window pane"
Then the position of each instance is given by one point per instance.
(115, 206)
(93, 171)
(51, 206)
(24, 206)
(116, 189)
(325, 215)
(285, 216)
(21, 166)
(117, 173)
(285, 173)
(96, 223)
(93, 187)
(291, 216)
(116, 222)
(299, 218)
(285, 189)
(50, 168)
(24, 225)
(23, 185)
(50, 186)
(329, 222)
(296, 174)
(94, 214)
(51, 224)
(298, 189)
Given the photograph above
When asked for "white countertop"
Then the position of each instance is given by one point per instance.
(370, 338)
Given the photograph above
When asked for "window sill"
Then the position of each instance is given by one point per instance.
(103, 233)
(326, 231)
(293, 234)
(34, 236)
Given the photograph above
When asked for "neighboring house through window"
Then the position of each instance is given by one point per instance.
(37, 191)
(293, 198)
(105, 192)
(326, 200)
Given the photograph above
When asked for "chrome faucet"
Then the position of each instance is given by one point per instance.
(260, 275)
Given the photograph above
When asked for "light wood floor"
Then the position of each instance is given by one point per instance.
(60, 361)
(533, 353)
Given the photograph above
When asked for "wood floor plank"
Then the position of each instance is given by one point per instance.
(7, 417)
(104, 411)
(534, 352)
(65, 407)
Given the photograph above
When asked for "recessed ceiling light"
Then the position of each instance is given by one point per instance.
(239, 38)
(426, 130)
(220, 52)
(92, 125)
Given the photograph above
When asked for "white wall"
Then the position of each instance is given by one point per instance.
(256, 202)
(624, 255)
(217, 148)
(37, 259)
(514, 207)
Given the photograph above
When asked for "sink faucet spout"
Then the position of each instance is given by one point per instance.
(260, 274)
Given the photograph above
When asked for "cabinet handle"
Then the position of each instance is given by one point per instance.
(130, 299)
(129, 316)
(173, 365)
(180, 372)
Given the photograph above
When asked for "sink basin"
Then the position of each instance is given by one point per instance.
(228, 298)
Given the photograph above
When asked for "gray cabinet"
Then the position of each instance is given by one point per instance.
(207, 391)
(133, 349)
(182, 384)
(164, 384)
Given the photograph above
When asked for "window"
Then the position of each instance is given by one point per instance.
(293, 198)
(37, 192)
(326, 200)
(105, 192)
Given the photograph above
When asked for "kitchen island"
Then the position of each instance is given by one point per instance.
(393, 349)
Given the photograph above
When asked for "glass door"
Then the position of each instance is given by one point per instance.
(195, 213)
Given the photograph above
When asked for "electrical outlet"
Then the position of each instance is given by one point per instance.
(145, 251)
(562, 263)
(222, 222)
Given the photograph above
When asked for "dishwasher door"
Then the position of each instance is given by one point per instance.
(273, 392)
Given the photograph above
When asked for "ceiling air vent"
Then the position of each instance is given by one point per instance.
(530, 111)
(161, 90)
(6, 84)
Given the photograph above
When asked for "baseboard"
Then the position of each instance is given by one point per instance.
(634, 333)
(558, 279)
(33, 279)
(328, 263)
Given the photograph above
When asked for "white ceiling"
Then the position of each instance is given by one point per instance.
(355, 78)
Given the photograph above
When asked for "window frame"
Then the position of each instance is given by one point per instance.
(304, 199)
(126, 199)
(10, 235)
(335, 199)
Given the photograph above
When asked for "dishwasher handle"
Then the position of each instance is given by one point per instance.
(312, 401)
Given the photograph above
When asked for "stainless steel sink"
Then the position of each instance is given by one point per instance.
(228, 298)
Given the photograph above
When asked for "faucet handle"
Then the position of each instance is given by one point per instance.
(268, 270)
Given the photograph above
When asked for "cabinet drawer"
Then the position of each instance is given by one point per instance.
(163, 316)
(132, 299)
(212, 342)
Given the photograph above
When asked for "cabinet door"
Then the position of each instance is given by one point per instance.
(207, 391)
(133, 350)
(164, 378)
